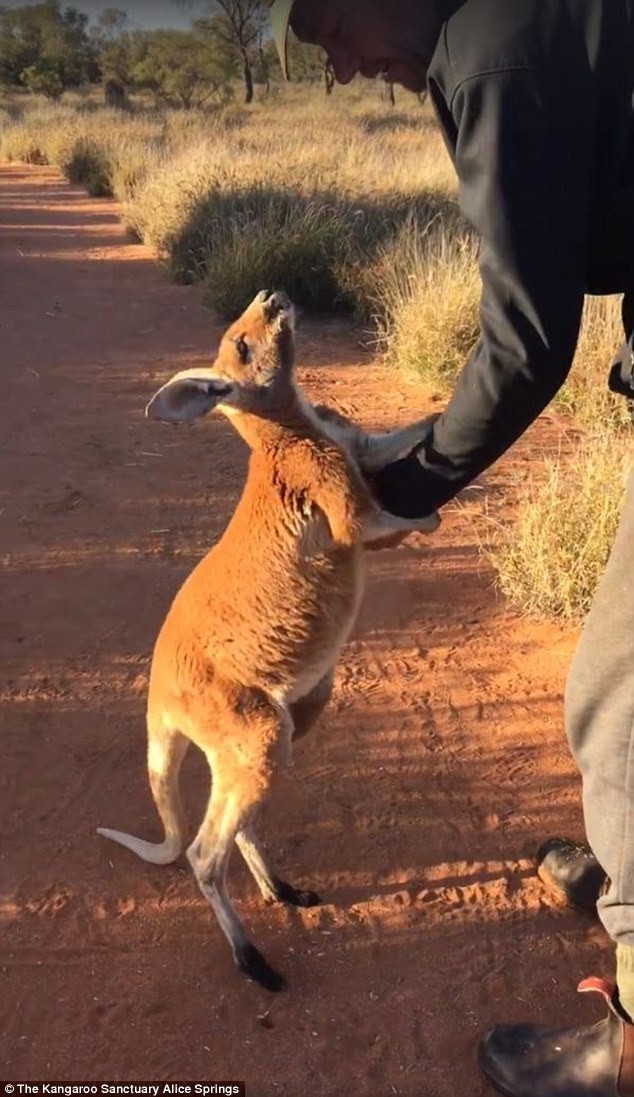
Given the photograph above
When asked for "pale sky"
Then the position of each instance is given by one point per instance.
(141, 13)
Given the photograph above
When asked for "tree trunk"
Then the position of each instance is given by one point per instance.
(265, 72)
(248, 79)
(329, 78)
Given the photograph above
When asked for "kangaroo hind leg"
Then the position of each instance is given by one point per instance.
(243, 766)
(304, 713)
(271, 886)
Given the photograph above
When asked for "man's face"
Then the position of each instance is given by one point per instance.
(394, 37)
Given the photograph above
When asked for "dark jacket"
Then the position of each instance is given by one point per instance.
(535, 101)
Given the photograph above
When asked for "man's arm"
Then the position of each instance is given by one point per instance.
(524, 160)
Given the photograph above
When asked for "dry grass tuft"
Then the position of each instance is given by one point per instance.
(426, 293)
(585, 397)
(550, 559)
(106, 152)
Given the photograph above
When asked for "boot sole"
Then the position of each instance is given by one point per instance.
(496, 1085)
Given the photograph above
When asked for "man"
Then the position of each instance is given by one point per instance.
(535, 101)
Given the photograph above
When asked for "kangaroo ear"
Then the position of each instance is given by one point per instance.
(188, 395)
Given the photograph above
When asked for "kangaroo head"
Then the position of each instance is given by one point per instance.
(253, 369)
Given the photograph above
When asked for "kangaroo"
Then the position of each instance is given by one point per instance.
(244, 661)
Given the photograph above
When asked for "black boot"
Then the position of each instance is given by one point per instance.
(571, 871)
(594, 1061)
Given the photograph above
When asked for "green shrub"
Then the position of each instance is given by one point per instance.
(89, 164)
(264, 239)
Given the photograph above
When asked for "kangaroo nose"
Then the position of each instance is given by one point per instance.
(277, 302)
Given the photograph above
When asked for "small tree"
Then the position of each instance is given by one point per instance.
(43, 46)
(239, 24)
(307, 64)
(43, 78)
(182, 70)
(120, 55)
(112, 22)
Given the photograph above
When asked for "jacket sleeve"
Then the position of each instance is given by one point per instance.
(524, 167)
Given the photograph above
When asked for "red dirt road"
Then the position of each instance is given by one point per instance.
(414, 808)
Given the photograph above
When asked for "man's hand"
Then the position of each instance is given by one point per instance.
(400, 485)
(396, 484)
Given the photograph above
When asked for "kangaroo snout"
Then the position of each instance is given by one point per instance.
(277, 304)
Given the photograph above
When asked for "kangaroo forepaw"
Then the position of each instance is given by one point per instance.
(253, 964)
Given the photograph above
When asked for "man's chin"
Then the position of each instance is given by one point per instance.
(409, 78)
(345, 71)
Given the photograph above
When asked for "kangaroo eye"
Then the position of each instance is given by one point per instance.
(242, 348)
